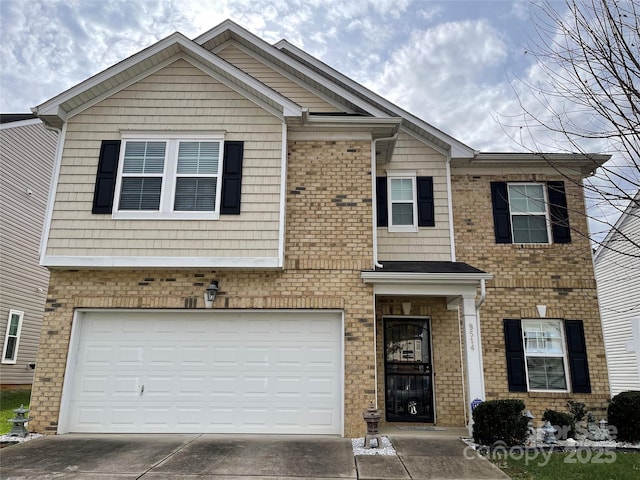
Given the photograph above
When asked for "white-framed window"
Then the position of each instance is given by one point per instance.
(12, 337)
(529, 213)
(402, 201)
(164, 176)
(545, 355)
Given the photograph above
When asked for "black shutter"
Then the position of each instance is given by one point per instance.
(577, 353)
(501, 215)
(426, 216)
(381, 201)
(515, 356)
(558, 212)
(232, 178)
(106, 177)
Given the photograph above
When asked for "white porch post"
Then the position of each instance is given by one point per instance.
(473, 351)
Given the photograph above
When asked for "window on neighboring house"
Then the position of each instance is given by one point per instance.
(12, 336)
(534, 213)
(402, 204)
(546, 355)
(150, 176)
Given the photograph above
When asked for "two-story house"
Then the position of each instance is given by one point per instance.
(27, 152)
(357, 254)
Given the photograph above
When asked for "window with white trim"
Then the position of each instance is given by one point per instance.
(529, 214)
(545, 356)
(12, 337)
(169, 177)
(402, 198)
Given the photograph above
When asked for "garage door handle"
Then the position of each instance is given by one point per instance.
(141, 389)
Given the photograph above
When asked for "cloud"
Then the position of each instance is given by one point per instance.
(451, 75)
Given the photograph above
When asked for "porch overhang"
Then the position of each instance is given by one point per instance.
(425, 278)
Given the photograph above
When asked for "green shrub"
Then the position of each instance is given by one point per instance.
(564, 423)
(500, 421)
(624, 414)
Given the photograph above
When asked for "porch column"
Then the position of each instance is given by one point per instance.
(473, 350)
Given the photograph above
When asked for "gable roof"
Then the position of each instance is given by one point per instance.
(633, 204)
(56, 110)
(332, 83)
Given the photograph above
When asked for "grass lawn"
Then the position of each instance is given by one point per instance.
(579, 465)
(9, 401)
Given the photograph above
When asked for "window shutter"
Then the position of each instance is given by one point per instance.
(426, 216)
(106, 177)
(381, 201)
(558, 212)
(501, 215)
(577, 353)
(515, 356)
(232, 178)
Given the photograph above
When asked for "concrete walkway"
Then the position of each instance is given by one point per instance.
(237, 457)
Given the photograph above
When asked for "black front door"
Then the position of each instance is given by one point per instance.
(408, 370)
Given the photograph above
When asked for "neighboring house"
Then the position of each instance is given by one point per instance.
(27, 153)
(617, 266)
(359, 254)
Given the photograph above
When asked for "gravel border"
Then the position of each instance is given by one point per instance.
(358, 447)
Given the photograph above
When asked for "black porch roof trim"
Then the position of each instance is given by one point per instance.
(427, 267)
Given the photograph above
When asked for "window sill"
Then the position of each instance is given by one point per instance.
(153, 215)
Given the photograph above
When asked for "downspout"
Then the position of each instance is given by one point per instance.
(53, 187)
(450, 207)
(376, 264)
(374, 199)
(479, 302)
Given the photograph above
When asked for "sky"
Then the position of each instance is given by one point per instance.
(458, 65)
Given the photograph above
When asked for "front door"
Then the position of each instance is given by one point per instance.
(408, 370)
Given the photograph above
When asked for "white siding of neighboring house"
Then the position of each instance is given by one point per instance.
(27, 154)
(275, 80)
(429, 243)
(179, 97)
(618, 279)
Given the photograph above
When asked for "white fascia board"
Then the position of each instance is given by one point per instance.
(448, 290)
(284, 73)
(270, 50)
(21, 123)
(458, 149)
(197, 52)
(55, 261)
(423, 278)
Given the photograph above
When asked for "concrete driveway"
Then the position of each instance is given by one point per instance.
(235, 457)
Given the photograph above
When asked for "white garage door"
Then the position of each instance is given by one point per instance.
(212, 372)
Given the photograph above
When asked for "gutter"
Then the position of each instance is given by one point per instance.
(374, 198)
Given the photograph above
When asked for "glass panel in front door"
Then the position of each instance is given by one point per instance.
(408, 371)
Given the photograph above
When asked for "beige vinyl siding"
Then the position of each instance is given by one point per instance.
(618, 279)
(179, 97)
(275, 80)
(26, 160)
(429, 243)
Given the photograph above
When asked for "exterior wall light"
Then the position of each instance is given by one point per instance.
(210, 293)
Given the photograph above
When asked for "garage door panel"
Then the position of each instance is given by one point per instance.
(190, 372)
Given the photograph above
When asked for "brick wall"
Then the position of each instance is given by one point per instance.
(327, 244)
(557, 275)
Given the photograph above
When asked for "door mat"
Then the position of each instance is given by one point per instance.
(423, 429)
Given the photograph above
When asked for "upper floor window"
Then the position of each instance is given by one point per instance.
(534, 213)
(402, 202)
(169, 178)
(529, 215)
(12, 337)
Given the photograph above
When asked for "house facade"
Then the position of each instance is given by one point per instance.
(27, 153)
(616, 264)
(358, 255)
